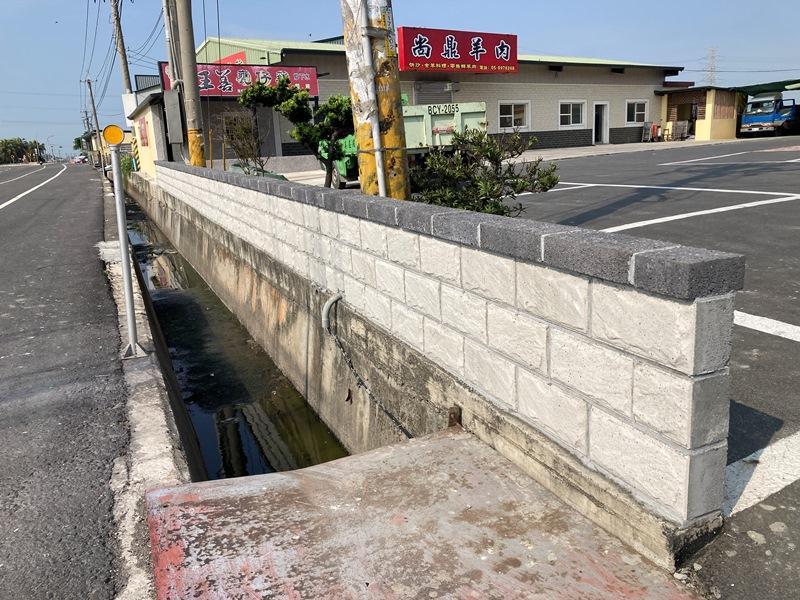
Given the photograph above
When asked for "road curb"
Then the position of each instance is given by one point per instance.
(155, 456)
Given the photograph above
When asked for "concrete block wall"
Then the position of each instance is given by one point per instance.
(614, 347)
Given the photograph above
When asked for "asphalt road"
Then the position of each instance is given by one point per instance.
(626, 191)
(61, 388)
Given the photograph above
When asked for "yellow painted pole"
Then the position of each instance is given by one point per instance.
(375, 93)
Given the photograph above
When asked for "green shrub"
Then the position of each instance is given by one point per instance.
(475, 174)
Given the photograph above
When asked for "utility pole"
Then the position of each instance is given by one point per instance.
(97, 128)
(170, 37)
(191, 93)
(123, 57)
(371, 48)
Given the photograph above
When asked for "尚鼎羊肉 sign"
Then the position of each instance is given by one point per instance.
(445, 50)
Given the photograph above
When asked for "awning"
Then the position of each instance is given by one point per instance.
(766, 88)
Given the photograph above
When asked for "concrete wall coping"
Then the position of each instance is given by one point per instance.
(672, 270)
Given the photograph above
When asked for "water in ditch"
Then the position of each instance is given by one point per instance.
(247, 416)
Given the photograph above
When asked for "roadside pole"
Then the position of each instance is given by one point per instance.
(114, 136)
(371, 50)
(189, 89)
(123, 57)
(97, 129)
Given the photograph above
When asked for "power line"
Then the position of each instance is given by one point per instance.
(706, 70)
(94, 39)
(27, 93)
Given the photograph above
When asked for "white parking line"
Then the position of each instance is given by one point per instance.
(566, 189)
(698, 213)
(21, 176)
(33, 189)
(765, 325)
(678, 189)
(683, 162)
(748, 162)
(765, 472)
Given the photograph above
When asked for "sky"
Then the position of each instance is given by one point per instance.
(48, 49)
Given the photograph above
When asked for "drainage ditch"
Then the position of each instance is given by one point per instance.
(244, 414)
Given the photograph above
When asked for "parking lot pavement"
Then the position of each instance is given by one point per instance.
(742, 198)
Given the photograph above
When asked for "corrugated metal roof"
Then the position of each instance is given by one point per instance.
(274, 48)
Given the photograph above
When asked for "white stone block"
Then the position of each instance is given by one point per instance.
(373, 238)
(444, 346)
(349, 231)
(422, 293)
(408, 325)
(490, 373)
(559, 414)
(440, 259)
(490, 276)
(553, 295)
(377, 307)
(389, 279)
(334, 279)
(329, 223)
(403, 247)
(310, 217)
(598, 371)
(341, 258)
(518, 336)
(354, 293)
(288, 210)
(464, 311)
(685, 484)
(692, 411)
(316, 271)
(363, 267)
(690, 337)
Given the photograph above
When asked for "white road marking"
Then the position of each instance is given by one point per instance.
(678, 189)
(765, 325)
(765, 472)
(748, 162)
(33, 189)
(683, 162)
(699, 213)
(21, 176)
(574, 187)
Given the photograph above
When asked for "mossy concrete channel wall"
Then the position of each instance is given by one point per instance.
(596, 362)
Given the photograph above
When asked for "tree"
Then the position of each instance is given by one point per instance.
(475, 174)
(77, 143)
(14, 150)
(242, 134)
(332, 121)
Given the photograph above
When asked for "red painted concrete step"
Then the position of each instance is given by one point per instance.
(438, 517)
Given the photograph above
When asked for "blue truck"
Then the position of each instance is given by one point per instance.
(770, 114)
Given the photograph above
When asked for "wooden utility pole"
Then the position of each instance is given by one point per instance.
(123, 57)
(371, 48)
(102, 160)
(191, 93)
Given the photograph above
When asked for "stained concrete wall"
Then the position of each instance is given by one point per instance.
(596, 362)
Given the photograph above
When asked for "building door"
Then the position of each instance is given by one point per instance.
(600, 129)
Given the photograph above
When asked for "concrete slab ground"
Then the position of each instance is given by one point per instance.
(438, 517)
(740, 197)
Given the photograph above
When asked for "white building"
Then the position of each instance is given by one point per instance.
(562, 101)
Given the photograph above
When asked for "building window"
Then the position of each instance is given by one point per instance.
(636, 112)
(514, 115)
(571, 113)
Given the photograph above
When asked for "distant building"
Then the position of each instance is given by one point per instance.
(562, 101)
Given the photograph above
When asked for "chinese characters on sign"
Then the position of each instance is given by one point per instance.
(230, 79)
(456, 51)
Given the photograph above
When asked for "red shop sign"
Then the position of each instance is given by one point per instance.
(230, 80)
(445, 50)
